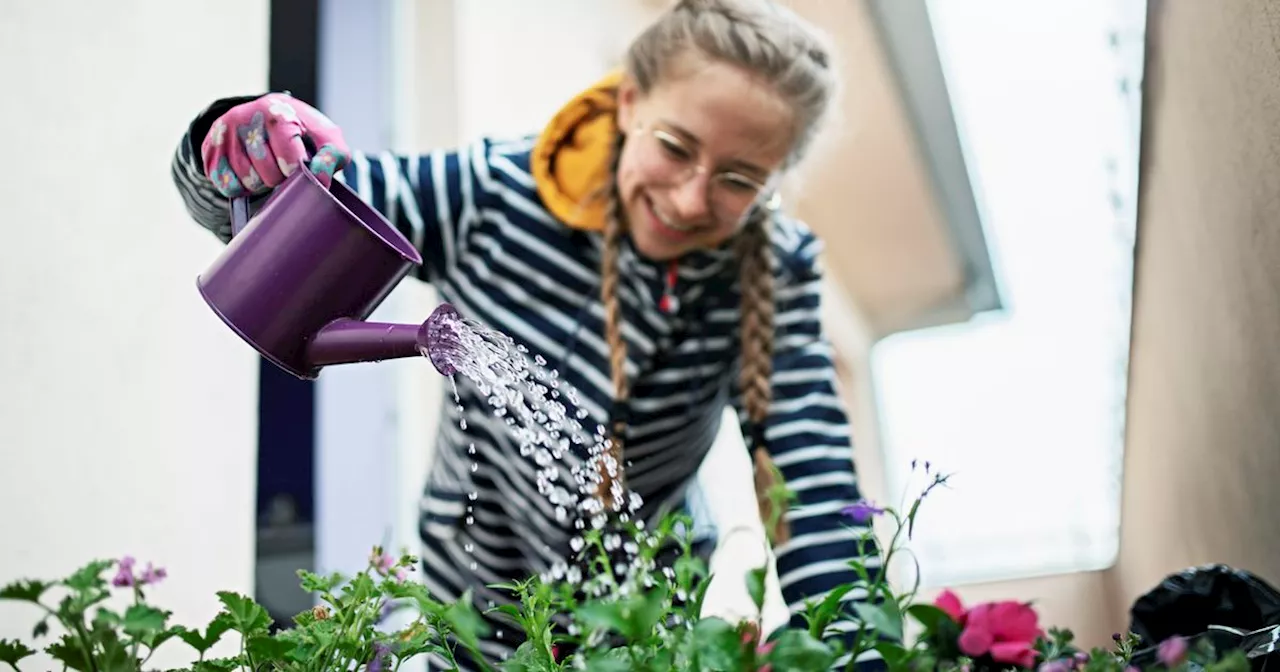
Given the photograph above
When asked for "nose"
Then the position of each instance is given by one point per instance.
(692, 199)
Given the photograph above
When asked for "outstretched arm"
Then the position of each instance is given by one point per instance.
(423, 195)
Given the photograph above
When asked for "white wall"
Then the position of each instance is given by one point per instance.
(127, 412)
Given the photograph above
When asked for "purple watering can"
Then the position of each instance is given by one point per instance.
(298, 280)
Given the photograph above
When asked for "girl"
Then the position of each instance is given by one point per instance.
(635, 243)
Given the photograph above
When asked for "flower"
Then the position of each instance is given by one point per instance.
(378, 662)
(950, 603)
(124, 572)
(153, 575)
(1172, 652)
(862, 511)
(1007, 630)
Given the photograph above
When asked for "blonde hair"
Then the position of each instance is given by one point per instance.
(776, 45)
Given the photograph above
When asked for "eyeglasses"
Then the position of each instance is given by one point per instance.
(731, 193)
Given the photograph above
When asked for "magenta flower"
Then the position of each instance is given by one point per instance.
(1172, 652)
(861, 512)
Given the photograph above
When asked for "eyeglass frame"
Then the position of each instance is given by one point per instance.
(668, 140)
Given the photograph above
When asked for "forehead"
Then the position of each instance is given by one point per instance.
(730, 113)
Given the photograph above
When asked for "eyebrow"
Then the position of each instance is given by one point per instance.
(738, 163)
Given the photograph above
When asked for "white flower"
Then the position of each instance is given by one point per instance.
(253, 181)
(217, 132)
(283, 110)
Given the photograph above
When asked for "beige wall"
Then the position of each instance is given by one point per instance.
(1203, 457)
(1203, 447)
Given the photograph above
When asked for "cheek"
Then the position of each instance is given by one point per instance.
(720, 234)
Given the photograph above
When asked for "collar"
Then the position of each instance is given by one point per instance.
(570, 167)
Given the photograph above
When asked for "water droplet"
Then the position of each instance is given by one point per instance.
(471, 520)
(474, 467)
(473, 496)
(473, 566)
(462, 423)
(468, 547)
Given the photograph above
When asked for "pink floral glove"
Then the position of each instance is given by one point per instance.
(254, 146)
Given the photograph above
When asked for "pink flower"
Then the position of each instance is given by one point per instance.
(1172, 652)
(950, 603)
(124, 572)
(1007, 631)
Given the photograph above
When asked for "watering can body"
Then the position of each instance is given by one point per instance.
(298, 280)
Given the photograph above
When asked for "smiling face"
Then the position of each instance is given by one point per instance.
(702, 146)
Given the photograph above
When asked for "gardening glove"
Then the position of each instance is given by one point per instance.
(253, 146)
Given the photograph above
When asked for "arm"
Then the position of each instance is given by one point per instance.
(808, 436)
(422, 195)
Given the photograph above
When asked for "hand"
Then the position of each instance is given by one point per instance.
(255, 145)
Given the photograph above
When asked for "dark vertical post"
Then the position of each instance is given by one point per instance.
(286, 405)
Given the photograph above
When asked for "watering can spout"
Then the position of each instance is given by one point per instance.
(347, 341)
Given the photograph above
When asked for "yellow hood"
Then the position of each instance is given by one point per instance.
(570, 161)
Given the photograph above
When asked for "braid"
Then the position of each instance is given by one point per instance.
(756, 280)
(610, 469)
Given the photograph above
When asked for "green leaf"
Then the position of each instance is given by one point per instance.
(12, 651)
(106, 619)
(755, 585)
(716, 645)
(465, 622)
(219, 626)
(884, 617)
(69, 652)
(141, 621)
(247, 617)
(89, 577)
(41, 629)
(219, 665)
(894, 654)
(602, 615)
(314, 583)
(828, 609)
(797, 651)
(928, 615)
(264, 648)
(24, 591)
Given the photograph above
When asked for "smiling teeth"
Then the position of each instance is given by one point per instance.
(668, 222)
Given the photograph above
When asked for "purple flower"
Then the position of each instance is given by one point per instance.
(862, 511)
(1059, 665)
(153, 575)
(1172, 651)
(124, 572)
(381, 654)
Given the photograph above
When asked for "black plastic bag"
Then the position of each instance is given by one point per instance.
(1233, 609)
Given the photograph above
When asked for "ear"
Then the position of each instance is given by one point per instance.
(628, 98)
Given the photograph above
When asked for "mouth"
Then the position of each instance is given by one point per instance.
(663, 224)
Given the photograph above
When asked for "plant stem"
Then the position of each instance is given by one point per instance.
(83, 639)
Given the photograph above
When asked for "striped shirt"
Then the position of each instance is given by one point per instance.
(491, 249)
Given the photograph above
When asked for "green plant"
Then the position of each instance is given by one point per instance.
(630, 601)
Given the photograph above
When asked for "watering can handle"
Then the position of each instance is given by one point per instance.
(240, 209)
(239, 215)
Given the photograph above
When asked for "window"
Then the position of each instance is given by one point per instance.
(1026, 405)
